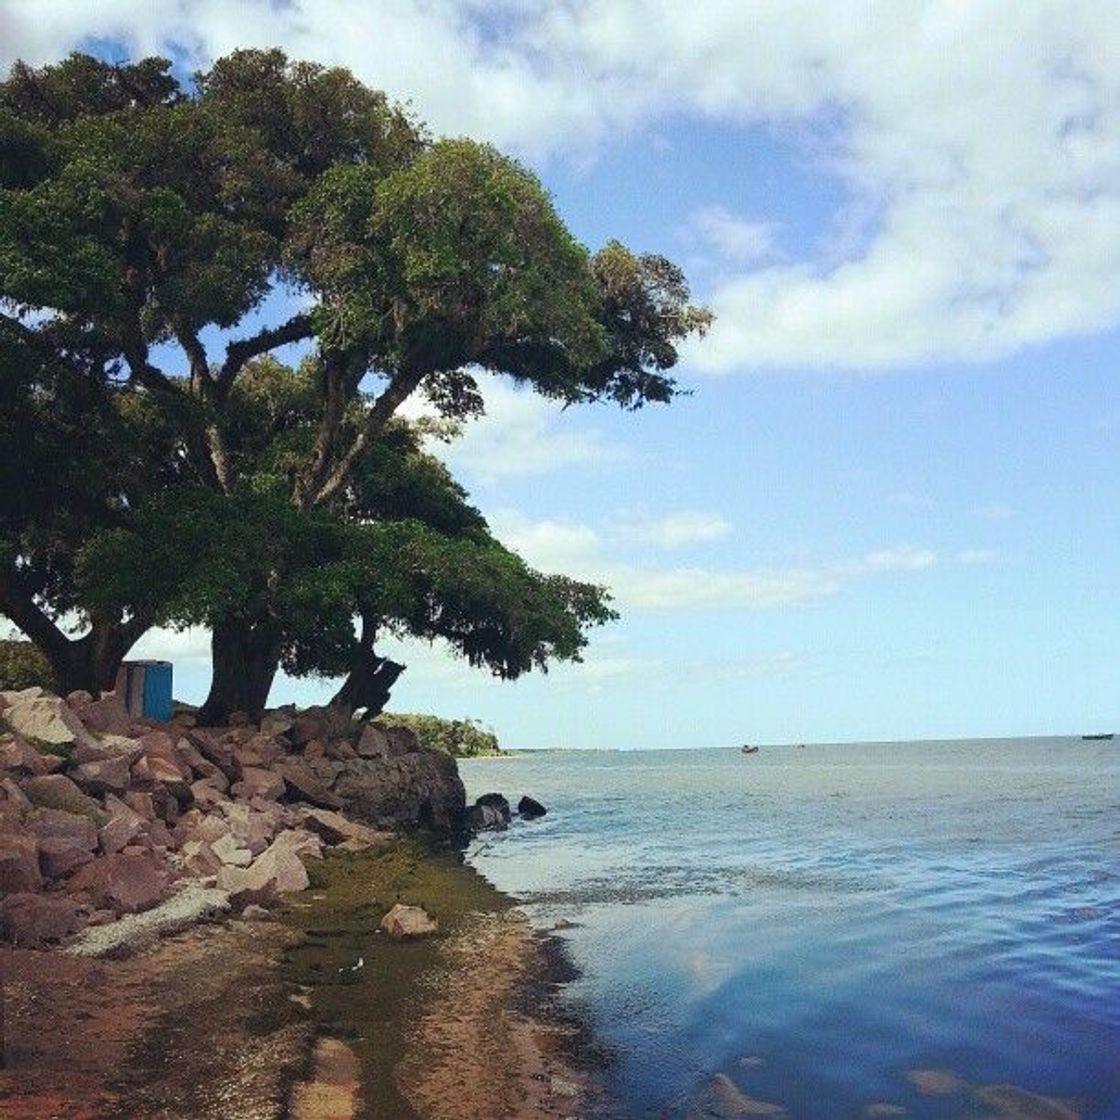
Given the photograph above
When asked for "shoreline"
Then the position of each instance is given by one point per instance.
(238, 1018)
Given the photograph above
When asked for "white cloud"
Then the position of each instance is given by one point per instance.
(521, 434)
(160, 644)
(974, 557)
(733, 238)
(995, 512)
(977, 143)
(676, 529)
(579, 551)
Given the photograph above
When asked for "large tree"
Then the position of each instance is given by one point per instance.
(144, 224)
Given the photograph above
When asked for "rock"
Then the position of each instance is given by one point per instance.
(107, 746)
(723, 1100)
(214, 750)
(530, 808)
(257, 782)
(19, 863)
(200, 860)
(105, 716)
(141, 803)
(16, 754)
(486, 818)
(164, 764)
(56, 791)
(420, 788)
(124, 826)
(210, 828)
(490, 811)
(46, 718)
(334, 828)
(191, 756)
(278, 722)
(124, 882)
(13, 798)
(60, 856)
(78, 698)
(251, 829)
(32, 919)
(320, 723)
(561, 1087)
(57, 824)
(373, 742)
(277, 870)
(408, 921)
(108, 774)
(229, 853)
(305, 786)
(255, 913)
(206, 794)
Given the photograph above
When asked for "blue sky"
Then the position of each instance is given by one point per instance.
(889, 508)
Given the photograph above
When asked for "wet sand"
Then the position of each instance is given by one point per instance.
(242, 1020)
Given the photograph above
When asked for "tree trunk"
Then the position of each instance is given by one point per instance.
(246, 657)
(368, 686)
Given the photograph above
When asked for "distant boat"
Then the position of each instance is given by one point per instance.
(1101, 735)
(746, 748)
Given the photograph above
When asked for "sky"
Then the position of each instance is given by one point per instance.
(890, 506)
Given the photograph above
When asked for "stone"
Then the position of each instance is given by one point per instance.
(141, 803)
(314, 750)
(324, 723)
(124, 826)
(373, 742)
(78, 698)
(530, 808)
(214, 750)
(34, 919)
(124, 882)
(56, 791)
(108, 774)
(251, 829)
(408, 921)
(164, 761)
(277, 870)
(278, 722)
(57, 824)
(340, 750)
(210, 828)
(258, 782)
(105, 715)
(107, 746)
(13, 798)
(255, 913)
(228, 853)
(334, 828)
(46, 718)
(489, 812)
(19, 863)
(402, 740)
(200, 860)
(191, 756)
(16, 754)
(419, 788)
(723, 1100)
(305, 786)
(60, 856)
(205, 794)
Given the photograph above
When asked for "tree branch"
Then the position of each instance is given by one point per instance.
(381, 412)
(245, 350)
(20, 607)
(205, 386)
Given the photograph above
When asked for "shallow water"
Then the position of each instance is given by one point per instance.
(819, 923)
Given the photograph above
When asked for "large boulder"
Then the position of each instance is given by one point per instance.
(33, 919)
(490, 811)
(303, 785)
(408, 921)
(334, 828)
(56, 791)
(530, 808)
(277, 870)
(60, 856)
(57, 824)
(324, 723)
(258, 782)
(19, 862)
(108, 774)
(124, 882)
(45, 718)
(420, 788)
(106, 715)
(16, 754)
(215, 749)
(124, 827)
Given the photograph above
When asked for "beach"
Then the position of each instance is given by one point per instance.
(270, 1018)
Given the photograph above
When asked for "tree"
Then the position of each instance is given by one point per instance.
(140, 219)
(408, 555)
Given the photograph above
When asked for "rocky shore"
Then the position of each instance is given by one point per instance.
(291, 841)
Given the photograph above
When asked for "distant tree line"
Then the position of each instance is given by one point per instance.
(460, 738)
(161, 466)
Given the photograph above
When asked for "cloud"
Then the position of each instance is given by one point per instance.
(676, 529)
(995, 512)
(733, 238)
(522, 434)
(977, 145)
(974, 557)
(161, 644)
(580, 551)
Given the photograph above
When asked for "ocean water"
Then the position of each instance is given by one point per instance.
(833, 928)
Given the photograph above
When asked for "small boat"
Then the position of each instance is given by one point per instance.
(1101, 736)
(746, 748)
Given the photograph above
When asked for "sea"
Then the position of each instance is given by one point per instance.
(920, 929)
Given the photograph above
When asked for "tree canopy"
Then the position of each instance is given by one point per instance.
(150, 230)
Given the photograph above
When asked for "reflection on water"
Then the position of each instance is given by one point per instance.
(851, 918)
